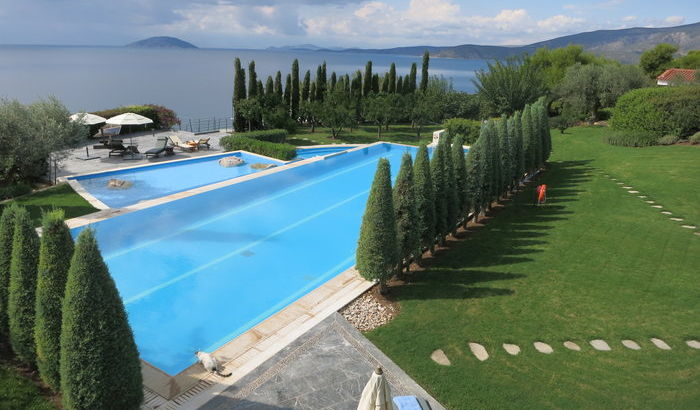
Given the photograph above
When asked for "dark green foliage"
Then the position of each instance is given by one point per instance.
(21, 298)
(306, 87)
(669, 139)
(392, 78)
(544, 129)
(288, 92)
(406, 211)
(424, 71)
(467, 129)
(367, 80)
(460, 177)
(281, 151)
(100, 366)
(425, 198)
(504, 145)
(261, 88)
(451, 188)
(514, 148)
(411, 86)
(656, 60)
(375, 83)
(659, 110)
(438, 173)
(269, 86)
(278, 85)
(399, 85)
(239, 94)
(334, 81)
(475, 177)
(252, 80)
(377, 249)
(494, 169)
(507, 87)
(294, 106)
(519, 145)
(55, 252)
(528, 139)
(163, 117)
(537, 134)
(7, 232)
(630, 138)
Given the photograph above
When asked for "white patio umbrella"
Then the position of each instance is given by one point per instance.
(87, 118)
(376, 394)
(129, 118)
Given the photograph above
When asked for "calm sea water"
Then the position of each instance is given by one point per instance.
(196, 83)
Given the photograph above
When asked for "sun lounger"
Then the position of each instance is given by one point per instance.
(117, 150)
(176, 142)
(410, 403)
(203, 142)
(159, 149)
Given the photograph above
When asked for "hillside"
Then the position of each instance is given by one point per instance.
(161, 42)
(625, 45)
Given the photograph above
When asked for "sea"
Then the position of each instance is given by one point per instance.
(196, 83)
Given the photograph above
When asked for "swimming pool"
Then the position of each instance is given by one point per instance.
(197, 272)
(305, 153)
(154, 181)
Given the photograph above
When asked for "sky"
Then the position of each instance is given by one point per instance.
(333, 23)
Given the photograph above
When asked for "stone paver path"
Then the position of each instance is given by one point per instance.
(543, 347)
(631, 344)
(688, 226)
(676, 219)
(511, 349)
(657, 206)
(599, 344)
(479, 351)
(572, 346)
(660, 344)
(633, 192)
(694, 344)
(626, 187)
(667, 212)
(649, 202)
(642, 196)
(440, 357)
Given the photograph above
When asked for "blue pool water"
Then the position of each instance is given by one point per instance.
(197, 272)
(305, 153)
(155, 181)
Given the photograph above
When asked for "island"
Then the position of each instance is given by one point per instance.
(161, 42)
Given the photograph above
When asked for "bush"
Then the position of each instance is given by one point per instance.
(163, 118)
(668, 139)
(695, 138)
(17, 189)
(100, 367)
(7, 232)
(277, 135)
(284, 152)
(21, 298)
(467, 129)
(55, 251)
(625, 138)
(659, 110)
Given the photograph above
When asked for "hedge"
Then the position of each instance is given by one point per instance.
(467, 129)
(163, 118)
(276, 135)
(284, 152)
(7, 232)
(659, 110)
(627, 138)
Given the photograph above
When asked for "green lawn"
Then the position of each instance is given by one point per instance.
(18, 393)
(402, 134)
(60, 196)
(596, 262)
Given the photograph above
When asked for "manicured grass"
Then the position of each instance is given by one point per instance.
(61, 196)
(16, 392)
(595, 262)
(402, 134)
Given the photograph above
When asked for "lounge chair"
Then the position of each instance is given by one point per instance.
(410, 403)
(118, 150)
(159, 148)
(176, 142)
(203, 142)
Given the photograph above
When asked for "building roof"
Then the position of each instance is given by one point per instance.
(677, 74)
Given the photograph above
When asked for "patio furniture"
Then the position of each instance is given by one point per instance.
(107, 132)
(203, 142)
(121, 150)
(159, 149)
(410, 403)
(176, 142)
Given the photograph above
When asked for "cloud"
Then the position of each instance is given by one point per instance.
(674, 20)
(559, 23)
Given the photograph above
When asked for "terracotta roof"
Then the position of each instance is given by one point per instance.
(683, 74)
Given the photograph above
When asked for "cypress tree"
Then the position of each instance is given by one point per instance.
(261, 88)
(7, 232)
(519, 145)
(438, 173)
(504, 154)
(392, 78)
(375, 83)
(537, 133)
(55, 251)
(377, 248)
(406, 211)
(239, 93)
(528, 139)
(278, 85)
(321, 82)
(306, 87)
(385, 83)
(487, 165)
(367, 80)
(475, 176)
(424, 72)
(411, 87)
(99, 363)
(252, 80)
(269, 86)
(399, 85)
(21, 299)
(451, 188)
(425, 198)
(460, 177)
(544, 129)
(288, 92)
(312, 92)
(513, 154)
(334, 81)
(295, 90)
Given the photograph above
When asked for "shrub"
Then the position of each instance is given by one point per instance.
(631, 138)
(55, 251)
(377, 249)
(659, 110)
(277, 135)
(163, 118)
(100, 367)
(668, 139)
(22, 294)
(561, 122)
(7, 232)
(467, 129)
(695, 138)
(14, 190)
(284, 152)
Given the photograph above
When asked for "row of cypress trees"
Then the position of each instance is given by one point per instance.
(432, 197)
(60, 312)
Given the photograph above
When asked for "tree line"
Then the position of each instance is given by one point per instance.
(432, 197)
(61, 313)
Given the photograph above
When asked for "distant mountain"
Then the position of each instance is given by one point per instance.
(161, 42)
(625, 45)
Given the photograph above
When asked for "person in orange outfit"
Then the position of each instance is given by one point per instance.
(541, 194)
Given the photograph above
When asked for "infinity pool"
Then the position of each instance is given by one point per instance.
(197, 272)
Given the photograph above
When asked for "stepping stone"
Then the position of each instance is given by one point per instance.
(696, 233)
(440, 358)
(614, 179)
(642, 196)
(511, 349)
(693, 344)
(626, 187)
(649, 202)
(543, 347)
(660, 344)
(479, 351)
(572, 346)
(667, 213)
(599, 344)
(657, 206)
(688, 226)
(631, 344)
(676, 219)
(633, 192)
